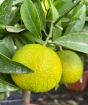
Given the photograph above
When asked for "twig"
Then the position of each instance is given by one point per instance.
(61, 49)
(26, 97)
(50, 35)
(66, 12)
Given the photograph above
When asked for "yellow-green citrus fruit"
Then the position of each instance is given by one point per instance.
(46, 66)
(72, 66)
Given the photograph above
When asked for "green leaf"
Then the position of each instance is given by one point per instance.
(6, 85)
(15, 15)
(63, 5)
(30, 17)
(57, 31)
(18, 43)
(53, 13)
(5, 10)
(4, 50)
(85, 29)
(74, 41)
(15, 2)
(14, 29)
(78, 24)
(10, 67)
(41, 14)
(9, 44)
(9, 14)
(2, 29)
(27, 37)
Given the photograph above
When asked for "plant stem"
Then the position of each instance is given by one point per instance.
(61, 49)
(67, 12)
(50, 34)
(26, 97)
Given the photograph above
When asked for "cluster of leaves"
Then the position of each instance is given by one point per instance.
(54, 23)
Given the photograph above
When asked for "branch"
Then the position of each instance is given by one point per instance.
(50, 35)
(26, 97)
(66, 12)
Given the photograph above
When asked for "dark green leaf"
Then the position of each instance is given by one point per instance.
(15, 2)
(15, 15)
(78, 24)
(74, 41)
(8, 66)
(87, 10)
(41, 14)
(5, 12)
(85, 29)
(63, 5)
(4, 50)
(25, 38)
(28, 37)
(18, 43)
(30, 17)
(6, 85)
(2, 31)
(8, 42)
(57, 31)
(53, 13)
(9, 14)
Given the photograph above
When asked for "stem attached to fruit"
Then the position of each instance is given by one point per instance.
(50, 35)
(26, 97)
(61, 49)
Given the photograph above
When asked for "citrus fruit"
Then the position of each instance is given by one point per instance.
(79, 85)
(72, 66)
(46, 66)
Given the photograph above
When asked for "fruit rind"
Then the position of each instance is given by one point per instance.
(46, 66)
(72, 66)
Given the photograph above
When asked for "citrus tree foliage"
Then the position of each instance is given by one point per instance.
(56, 24)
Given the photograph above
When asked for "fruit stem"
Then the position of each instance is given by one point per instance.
(27, 95)
(61, 49)
(50, 34)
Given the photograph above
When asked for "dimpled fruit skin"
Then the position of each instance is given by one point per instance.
(46, 66)
(72, 66)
